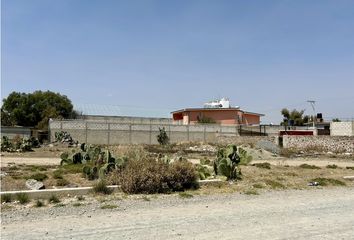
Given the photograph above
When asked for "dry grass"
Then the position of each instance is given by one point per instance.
(277, 177)
(185, 195)
(262, 165)
(109, 206)
(307, 166)
(251, 192)
(51, 176)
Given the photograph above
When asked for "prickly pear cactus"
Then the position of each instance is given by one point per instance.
(245, 158)
(226, 162)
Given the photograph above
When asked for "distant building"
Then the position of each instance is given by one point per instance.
(219, 112)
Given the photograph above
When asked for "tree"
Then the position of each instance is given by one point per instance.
(336, 120)
(294, 116)
(35, 109)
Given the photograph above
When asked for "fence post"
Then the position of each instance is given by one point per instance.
(204, 134)
(85, 132)
(130, 134)
(188, 132)
(150, 137)
(108, 133)
(169, 131)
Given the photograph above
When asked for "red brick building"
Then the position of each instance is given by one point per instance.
(224, 116)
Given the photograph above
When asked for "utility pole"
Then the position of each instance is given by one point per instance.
(312, 102)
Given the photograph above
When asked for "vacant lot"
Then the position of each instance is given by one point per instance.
(306, 214)
(272, 200)
(283, 173)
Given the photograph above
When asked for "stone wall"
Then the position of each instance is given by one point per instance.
(320, 143)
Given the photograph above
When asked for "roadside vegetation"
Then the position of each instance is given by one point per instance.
(164, 168)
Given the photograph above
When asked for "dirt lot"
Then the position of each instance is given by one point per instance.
(306, 214)
(272, 201)
(284, 173)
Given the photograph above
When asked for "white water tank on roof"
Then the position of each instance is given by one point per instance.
(222, 103)
(225, 103)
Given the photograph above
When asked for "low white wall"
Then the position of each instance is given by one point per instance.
(342, 128)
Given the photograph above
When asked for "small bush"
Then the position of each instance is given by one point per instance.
(352, 168)
(162, 137)
(262, 165)
(38, 176)
(58, 174)
(23, 198)
(185, 195)
(54, 199)
(150, 176)
(34, 168)
(39, 203)
(251, 192)
(333, 166)
(101, 187)
(274, 184)
(13, 168)
(59, 205)
(77, 204)
(258, 185)
(109, 206)
(328, 181)
(62, 182)
(6, 198)
(181, 176)
(307, 166)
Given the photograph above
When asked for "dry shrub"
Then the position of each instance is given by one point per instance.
(151, 176)
(131, 152)
(182, 175)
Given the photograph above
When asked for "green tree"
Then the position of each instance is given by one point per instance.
(35, 109)
(296, 116)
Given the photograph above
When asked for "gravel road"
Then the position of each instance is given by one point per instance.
(297, 214)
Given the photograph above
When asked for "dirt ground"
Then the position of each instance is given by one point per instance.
(296, 214)
(286, 171)
(270, 202)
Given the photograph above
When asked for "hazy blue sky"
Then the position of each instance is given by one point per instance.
(166, 55)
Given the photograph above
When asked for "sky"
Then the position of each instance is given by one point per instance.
(160, 56)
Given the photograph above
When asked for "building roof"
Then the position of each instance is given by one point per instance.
(253, 113)
(215, 109)
(115, 110)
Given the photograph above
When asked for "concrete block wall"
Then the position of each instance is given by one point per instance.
(11, 132)
(122, 119)
(342, 128)
(123, 133)
(321, 143)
